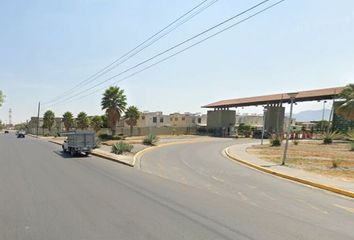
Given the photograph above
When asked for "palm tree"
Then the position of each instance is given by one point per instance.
(114, 102)
(48, 120)
(68, 120)
(346, 109)
(82, 120)
(131, 116)
(96, 123)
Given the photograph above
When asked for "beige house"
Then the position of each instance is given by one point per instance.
(183, 120)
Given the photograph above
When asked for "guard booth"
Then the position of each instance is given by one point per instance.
(221, 122)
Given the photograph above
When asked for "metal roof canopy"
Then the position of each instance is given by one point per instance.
(311, 95)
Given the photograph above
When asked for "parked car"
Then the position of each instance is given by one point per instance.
(79, 142)
(258, 134)
(6, 131)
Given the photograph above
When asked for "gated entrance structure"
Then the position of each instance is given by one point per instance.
(221, 117)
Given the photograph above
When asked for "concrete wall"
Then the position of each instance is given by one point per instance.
(274, 120)
(143, 131)
(221, 119)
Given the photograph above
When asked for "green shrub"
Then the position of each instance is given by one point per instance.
(119, 136)
(105, 136)
(98, 142)
(150, 139)
(275, 140)
(121, 147)
(328, 137)
(336, 163)
(350, 135)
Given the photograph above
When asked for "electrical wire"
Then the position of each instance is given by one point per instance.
(177, 53)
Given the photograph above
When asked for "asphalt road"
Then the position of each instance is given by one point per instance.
(47, 195)
(312, 212)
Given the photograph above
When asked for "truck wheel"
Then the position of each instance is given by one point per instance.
(86, 154)
(72, 152)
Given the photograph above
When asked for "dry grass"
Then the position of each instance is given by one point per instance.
(313, 156)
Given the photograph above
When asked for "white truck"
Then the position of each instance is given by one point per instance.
(79, 142)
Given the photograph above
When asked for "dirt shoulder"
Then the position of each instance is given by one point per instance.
(313, 156)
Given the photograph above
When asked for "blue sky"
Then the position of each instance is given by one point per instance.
(46, 47)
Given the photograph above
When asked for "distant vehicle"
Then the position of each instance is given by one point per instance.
(21, 134)
(6, 131)
(258, 134)
(79, 142)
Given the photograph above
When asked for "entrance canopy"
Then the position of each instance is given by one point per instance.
(312, 95)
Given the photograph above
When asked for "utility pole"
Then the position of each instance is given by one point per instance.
(39, 109)
(292, 98)
(323, 115)
(10, 117)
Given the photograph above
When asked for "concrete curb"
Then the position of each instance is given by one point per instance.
(295, 179)
(100, 155)
(139, 154)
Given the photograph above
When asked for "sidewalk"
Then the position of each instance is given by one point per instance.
(238, 153)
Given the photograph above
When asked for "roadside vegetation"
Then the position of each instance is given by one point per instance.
(150, 140)
(333, 160)
(122, 147)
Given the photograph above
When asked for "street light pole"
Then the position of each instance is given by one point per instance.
(323, 115)
(292, 98)
(39, 109)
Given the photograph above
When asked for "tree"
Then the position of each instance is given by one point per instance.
(68, 120)
(245, 129)
(2, 96)
(96, 123)
(82, 120)
(114, 102)
(104, 121)
(132, 116)
(48, 120)
(346, 109)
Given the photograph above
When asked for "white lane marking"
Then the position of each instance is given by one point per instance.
(267, 195)
(312, 206)
(348, 209)
(218, 179)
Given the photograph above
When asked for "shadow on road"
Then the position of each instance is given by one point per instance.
(67, 155)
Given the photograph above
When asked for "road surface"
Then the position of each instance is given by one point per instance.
(47, 195)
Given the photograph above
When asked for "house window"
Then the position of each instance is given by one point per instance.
(154, 119)
(199, 120)
(183, 118)
(161, 120)
(171, 119)
(193, 120)
(176, 119)
(143, 117)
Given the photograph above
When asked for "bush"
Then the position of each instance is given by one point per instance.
(119, 136)
(336, 163)
(105, 136)
(150, 139)
(327, 140)
(328, 137)
(98, 142)
(275, 140)
(296, 142)
(121, 147)
(350, 135)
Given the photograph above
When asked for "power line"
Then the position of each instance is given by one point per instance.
(131, 53)
(169, 49)
(179, 52)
